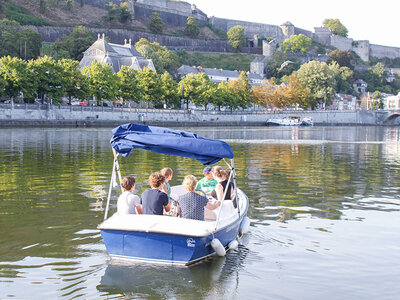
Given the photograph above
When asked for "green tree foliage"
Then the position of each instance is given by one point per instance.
(129, 88)
(22, 15)
(344, 78)
(42, 6)
(236, 37)
(320, 79)
(242, 89)
(226, 96)
(156, 24)
(69, 4)
(376, 78)
(190, 84)
(342, 57)
(16, 77)
(170, 91)
(150, 86)
(8, 31)
(378, 101)
(279, 65)
(192, 29)
(163, 59)
(297, 43)
(102, 83)
(30, 43)
(336, 27)
(77, 42)
(113, 11)
(73, 83)
(125, 14)
(82, 3)
(49, 75)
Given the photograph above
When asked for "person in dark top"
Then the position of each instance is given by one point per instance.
(192, 204)
(154, 199)
(222, 177)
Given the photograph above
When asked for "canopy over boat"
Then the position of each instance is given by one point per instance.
(168, 141)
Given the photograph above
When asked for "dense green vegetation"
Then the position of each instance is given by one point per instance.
(22, 15)
(215, 60)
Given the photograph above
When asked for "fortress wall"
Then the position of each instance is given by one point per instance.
(158, 3)
(117, 36)
(307, 33)
(342, 43)
(250, 28)
(384, 51)
(362, 49)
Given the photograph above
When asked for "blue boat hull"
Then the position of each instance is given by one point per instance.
(164, 248)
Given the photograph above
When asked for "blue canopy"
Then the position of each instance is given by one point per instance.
(168, 141)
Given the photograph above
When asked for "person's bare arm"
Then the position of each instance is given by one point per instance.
(220, 191)
(211, 206)
(139, 209)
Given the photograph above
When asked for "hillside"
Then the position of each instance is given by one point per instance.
(27, 12)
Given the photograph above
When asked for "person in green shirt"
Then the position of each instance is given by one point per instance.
(208, 183)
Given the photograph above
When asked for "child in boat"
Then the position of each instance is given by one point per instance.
(174, 208)
(208, 183)
(155, 199)
(128, 203)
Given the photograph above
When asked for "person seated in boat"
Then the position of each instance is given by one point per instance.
(174, 208)
(208, 183)
(192, 204)
(222, 176)
(128, 203)
(154, 200)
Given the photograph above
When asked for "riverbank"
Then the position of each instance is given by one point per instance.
(35, 115)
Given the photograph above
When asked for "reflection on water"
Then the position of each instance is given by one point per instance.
(324, 207)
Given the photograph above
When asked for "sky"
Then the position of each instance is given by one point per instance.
(376, 21)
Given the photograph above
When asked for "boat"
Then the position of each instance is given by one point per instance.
(166, 239)
(290, 121)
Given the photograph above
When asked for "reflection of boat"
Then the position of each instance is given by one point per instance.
(161, 239)
(290, 121)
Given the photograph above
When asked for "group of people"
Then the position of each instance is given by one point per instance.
(157, 199)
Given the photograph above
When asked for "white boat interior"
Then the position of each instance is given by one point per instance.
(226, 215)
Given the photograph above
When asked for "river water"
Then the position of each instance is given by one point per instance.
(324, 207)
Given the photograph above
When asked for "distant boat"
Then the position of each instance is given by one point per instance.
(290, 121)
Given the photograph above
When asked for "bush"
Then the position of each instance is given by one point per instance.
(156, 24)
(23, 16)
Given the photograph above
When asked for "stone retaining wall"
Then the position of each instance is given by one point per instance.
(46, 115)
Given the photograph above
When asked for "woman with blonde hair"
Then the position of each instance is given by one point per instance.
(192, 204)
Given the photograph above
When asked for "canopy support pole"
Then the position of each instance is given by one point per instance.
(115, 166)
(226, 189)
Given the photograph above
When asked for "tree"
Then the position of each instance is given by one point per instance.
(243, 90)
(73, 83)
(156, 24)
(297, 43)
(16, 77)
(42, 6)
(113, 11)
(170, 92)
(129, 84)
(69, 4)
(149, 84)
(162, 58)
(279, 65)
(30, 43)
(48, 73)
(343, 77)
(192, 29)
(377, 103)
(336, 27)
(227, 96)
(319, 78)
(193, 85)
(101, 81)
(8, 31)
(125, 14)
(236, 37)
(82, 3)
(297, 93)
(77, 42)
(376, 78)
(342, 57)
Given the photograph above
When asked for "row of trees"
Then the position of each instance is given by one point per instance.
(314, 83)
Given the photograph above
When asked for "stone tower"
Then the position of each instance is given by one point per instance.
(287, 29)
(269, 48)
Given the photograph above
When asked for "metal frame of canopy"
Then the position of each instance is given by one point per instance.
(117, 172)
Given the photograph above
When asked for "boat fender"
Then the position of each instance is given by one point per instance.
(244, 226)
(233, 244)
(218, 248)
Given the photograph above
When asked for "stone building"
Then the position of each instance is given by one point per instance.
(115, 55)
(258, 66)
